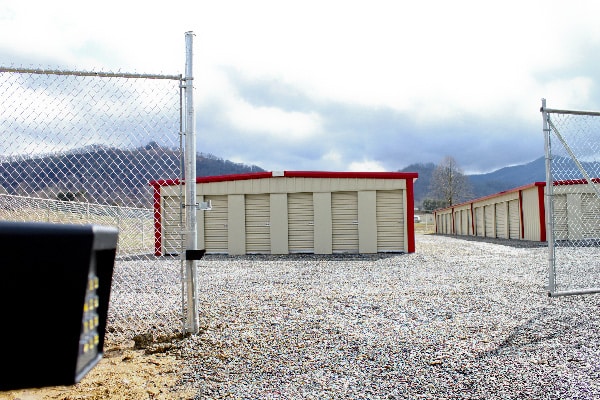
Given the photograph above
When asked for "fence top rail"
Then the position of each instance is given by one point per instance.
(98, 74)
(572, 112)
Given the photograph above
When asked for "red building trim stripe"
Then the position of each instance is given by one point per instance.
(157, 221)
(521, 219)
(292, 174)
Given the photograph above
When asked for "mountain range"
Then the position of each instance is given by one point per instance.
(102, 174)
(504, 178)
(482, 184)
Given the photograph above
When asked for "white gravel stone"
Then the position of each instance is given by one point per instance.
(455, 320)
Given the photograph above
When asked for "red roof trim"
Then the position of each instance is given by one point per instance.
(352, 175)
(575, 182)
(291, 174)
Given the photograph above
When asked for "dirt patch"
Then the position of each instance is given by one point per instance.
(141, 369)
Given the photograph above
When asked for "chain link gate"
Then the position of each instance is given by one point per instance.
(572, 144)
(83, 147)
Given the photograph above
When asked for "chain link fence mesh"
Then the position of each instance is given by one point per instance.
(573, 150)
(83, 147)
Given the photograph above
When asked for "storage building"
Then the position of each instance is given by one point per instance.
(513, 214)
(576, 210)
(292, 212)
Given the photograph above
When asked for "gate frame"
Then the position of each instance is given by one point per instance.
(548, 128)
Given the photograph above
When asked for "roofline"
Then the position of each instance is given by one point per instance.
(291, 174)
(575, 182)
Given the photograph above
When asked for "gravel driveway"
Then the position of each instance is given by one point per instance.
(457, 319)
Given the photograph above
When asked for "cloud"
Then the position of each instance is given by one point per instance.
(367, 166)
(272, 121)
(337, 84)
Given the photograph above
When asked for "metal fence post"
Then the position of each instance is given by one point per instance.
(191, 325)
(549, 201)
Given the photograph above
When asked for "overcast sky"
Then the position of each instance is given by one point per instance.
(347, 85)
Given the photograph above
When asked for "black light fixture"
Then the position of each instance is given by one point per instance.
(54, 291)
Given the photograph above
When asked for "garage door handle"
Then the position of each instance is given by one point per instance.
(355, 222)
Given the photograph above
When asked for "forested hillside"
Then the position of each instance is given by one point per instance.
(104, 175)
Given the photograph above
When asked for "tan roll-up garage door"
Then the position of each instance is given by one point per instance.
(590, 214)
(258, 228)
(390, 220)
(490, 214)
(514, 227)
(501, 220)
(458, 222)
(464, 223)
(561, 226)
(479, 221)
(172, 225)
(301, 225)
(215, 225)
(469, 219)
(344, 222)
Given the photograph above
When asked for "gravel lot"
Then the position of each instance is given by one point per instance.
(457, 319)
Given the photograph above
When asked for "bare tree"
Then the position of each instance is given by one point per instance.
(449, 183)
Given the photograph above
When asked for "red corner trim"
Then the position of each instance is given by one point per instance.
(542, 211)
(521, 219)
(157, 222)
(410, 214)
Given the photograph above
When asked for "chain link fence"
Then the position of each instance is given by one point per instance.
(573, 200)
(82, 147)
